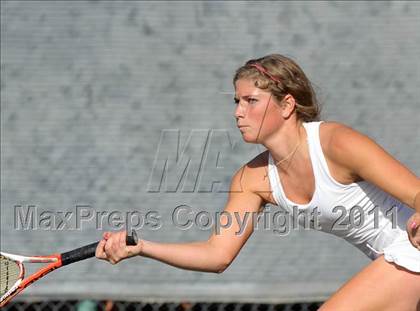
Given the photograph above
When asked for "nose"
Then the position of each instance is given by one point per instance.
(239, 110)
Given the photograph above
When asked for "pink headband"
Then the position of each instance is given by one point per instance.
(262, 70)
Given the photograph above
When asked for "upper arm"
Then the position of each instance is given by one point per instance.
(237, 218)
(365, 158)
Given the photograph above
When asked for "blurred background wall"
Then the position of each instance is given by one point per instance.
(95, 95)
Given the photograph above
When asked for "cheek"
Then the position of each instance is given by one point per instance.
(266, 122)
(261, 126)
(271, 123)
(263, 122)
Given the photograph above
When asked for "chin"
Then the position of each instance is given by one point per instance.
(249, 139)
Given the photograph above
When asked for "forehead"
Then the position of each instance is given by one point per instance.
(246, 87)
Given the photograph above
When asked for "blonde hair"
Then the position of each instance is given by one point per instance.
(280, 76)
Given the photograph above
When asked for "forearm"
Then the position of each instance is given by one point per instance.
(416, 202)
(197, 256)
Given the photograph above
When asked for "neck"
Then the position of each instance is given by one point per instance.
(286, 144)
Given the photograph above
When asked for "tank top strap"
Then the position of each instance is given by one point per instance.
(319, 163)
(275, 183)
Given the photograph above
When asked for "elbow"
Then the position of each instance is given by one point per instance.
(220, 257)
(222, 266)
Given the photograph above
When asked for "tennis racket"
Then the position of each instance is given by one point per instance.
(12, 269)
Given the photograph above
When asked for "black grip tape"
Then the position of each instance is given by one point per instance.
(78, 254)
(131, 239)
(88, 251)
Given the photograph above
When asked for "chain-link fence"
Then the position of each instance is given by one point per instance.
(90, 305)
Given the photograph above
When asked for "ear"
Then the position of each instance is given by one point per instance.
(288, 105)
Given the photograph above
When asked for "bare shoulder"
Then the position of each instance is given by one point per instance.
(332, 130)
(337, 138)
(252, 177)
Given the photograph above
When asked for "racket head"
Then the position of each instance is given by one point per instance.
(13, 279)
(12, 273)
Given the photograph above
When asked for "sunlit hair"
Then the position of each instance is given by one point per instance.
(280, 76)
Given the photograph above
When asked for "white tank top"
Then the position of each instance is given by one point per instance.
(348, 211)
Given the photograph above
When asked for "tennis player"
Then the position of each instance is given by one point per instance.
(309, 164)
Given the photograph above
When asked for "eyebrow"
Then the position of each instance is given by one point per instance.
(246, 97)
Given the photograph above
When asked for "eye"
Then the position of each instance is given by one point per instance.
(236, 101)
(252, 100)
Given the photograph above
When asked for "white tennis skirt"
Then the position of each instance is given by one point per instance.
(402, 253)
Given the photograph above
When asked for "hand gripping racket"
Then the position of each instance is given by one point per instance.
(12, 269)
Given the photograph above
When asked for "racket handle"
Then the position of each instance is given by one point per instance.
(132, 239)
(88, 251)
(78, 254)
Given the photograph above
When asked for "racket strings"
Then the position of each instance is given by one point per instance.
(9, 274)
